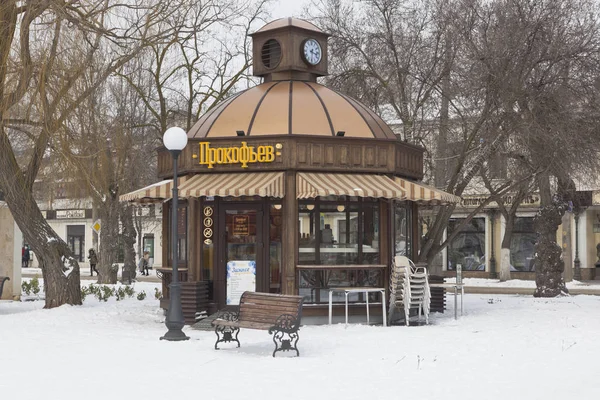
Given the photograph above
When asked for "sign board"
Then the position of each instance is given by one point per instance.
(243, 154)
(96, 226)
(241, 276)
(67, 214)
(532, 200)
(241, 225)
(459, 274)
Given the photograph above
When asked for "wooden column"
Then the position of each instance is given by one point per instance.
(289, 237)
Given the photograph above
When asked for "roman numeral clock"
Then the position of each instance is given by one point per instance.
(290, 48)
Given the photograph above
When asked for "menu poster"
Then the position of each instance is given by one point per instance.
(241, 225)
(241, 276)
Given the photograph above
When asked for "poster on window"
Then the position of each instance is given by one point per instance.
(241, 276)
(241, 225)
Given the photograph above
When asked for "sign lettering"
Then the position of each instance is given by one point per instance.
(64, 214)
(243, 154)
(475, 201)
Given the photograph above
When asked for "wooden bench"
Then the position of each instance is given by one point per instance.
(278, 314)
(2, 280)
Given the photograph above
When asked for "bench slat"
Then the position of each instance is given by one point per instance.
(293, 309)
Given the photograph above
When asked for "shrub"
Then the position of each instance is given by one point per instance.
(35, 285)
(129, 291)
(141, 295)
(26, 287)
(157, 294)
(120, 293)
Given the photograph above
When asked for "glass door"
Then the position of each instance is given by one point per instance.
(243, 258)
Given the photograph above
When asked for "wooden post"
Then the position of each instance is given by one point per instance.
(289, 237)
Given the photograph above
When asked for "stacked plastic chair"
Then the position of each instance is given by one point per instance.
(409, 289)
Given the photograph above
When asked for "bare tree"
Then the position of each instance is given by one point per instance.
(45, 48)
(201, 63)
(493, 73)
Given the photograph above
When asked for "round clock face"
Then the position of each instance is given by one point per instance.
(311, 51)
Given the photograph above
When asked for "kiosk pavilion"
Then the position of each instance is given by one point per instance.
(289, 187)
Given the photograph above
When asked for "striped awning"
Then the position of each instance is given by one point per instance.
(422, 193)
(155, 193)
(310, 185)
(264, 184)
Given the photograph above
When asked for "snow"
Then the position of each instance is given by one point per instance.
(505, 346)
(518, 283)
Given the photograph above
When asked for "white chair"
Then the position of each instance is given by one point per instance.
(409, 289)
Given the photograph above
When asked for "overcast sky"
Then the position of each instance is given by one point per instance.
(287, 8)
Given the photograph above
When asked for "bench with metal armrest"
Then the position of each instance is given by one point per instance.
(278, 314)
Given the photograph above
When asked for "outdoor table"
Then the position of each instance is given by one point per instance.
(366, 291)
(457, 287)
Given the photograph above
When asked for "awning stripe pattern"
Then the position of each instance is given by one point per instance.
(264, 184)
(310, 185)
(422, 193)
(157, 192)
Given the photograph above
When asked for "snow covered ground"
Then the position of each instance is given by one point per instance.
(505, 347)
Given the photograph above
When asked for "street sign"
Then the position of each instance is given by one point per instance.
(96, 226)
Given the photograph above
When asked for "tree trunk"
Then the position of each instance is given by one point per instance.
(129, 236)
(59, 269)
(109, 241)
(549, 265)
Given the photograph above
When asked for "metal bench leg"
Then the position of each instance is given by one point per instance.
(285, 334)
(226, 334)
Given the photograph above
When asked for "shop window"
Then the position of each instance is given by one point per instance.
(76, 241)
(468, 248)
(402, 229)
(338, 231)
(522, 244)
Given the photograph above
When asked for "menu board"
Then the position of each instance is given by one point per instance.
(241, 276)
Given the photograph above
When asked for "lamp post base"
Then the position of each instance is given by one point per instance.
(175, 336)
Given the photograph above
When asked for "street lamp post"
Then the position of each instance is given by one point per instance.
(175, 140)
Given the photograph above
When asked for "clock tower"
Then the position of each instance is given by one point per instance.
(289, 49)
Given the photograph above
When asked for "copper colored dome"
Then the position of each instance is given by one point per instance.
(290, 107)
(285, 22)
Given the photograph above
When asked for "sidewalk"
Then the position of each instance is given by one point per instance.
(37, 272)
(517, 286)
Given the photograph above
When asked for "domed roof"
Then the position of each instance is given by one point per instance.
(290, 107)
(285, 22)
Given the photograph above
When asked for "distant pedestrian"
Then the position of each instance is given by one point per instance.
(144, 263)
(93, 262)
(25, 256)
